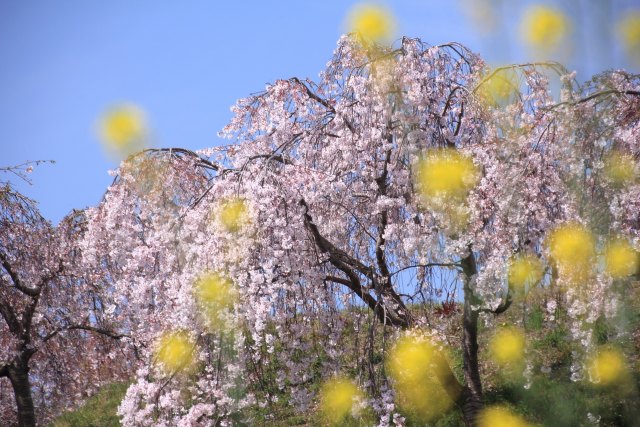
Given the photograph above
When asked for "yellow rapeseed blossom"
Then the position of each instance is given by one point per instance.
(607, 367)
(629, 31)
(621, 259)
(544, 28)
(175, 351)
(215, 293)
(524, 271)
(337, 399)
(572, 248)
(234, 214)
(498, 87)
(620, 169)
(123, 130)
(445, 173)
(374, 24)
(507, 347)
(499, 416)
(415, 376)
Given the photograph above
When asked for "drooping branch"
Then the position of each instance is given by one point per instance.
(17, 282)
(337, 255)
(398, 316)
(9, 316)
(381, 182)
(324, 103)
(89, 328)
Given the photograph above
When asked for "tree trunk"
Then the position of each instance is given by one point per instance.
(472, 395)
(19, 377)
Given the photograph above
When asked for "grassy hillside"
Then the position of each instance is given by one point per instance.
(98, 411)
(546, 395)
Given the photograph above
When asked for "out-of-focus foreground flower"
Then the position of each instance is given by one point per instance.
(123, 130)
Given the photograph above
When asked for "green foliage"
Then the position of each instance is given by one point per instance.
(536, 319)
(99, 410)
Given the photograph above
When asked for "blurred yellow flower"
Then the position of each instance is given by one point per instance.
(499, 416)
(374, 24)
(507, 347)
(621, 259)
(338, 397)
(620, 169)
(215, 293)
(525, 271)
(215, 290)
(234, 214)
(123, 130)
(498, 87)
(544, 28)
(572, 248)
(629, 31)
(607, 367)
(445, 173)
(175, 351)
(415, 376)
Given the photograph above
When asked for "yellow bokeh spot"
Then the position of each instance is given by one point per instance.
(413, 368)
(337, 399)
(215, 294)
(499, 416)
(507, 347)
(499, 87)
(607, 367)
(572, 248)
(234, 214)
(544, 27)
(525, 271)
(445, 173)
(175, 351)
(620, 169)
(621, 259)
(374, 24)
(629, 31)
(123, 130)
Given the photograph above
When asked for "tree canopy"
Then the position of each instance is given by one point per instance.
(400, 177)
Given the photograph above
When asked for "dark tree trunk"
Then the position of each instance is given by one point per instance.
(19, 377)
(472, 394)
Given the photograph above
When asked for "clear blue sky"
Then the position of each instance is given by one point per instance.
(185, 63)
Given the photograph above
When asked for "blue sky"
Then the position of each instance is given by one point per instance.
(184, 63)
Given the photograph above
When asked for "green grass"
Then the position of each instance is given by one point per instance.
(98, 411)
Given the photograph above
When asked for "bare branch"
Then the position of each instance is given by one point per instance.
(33, 292)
